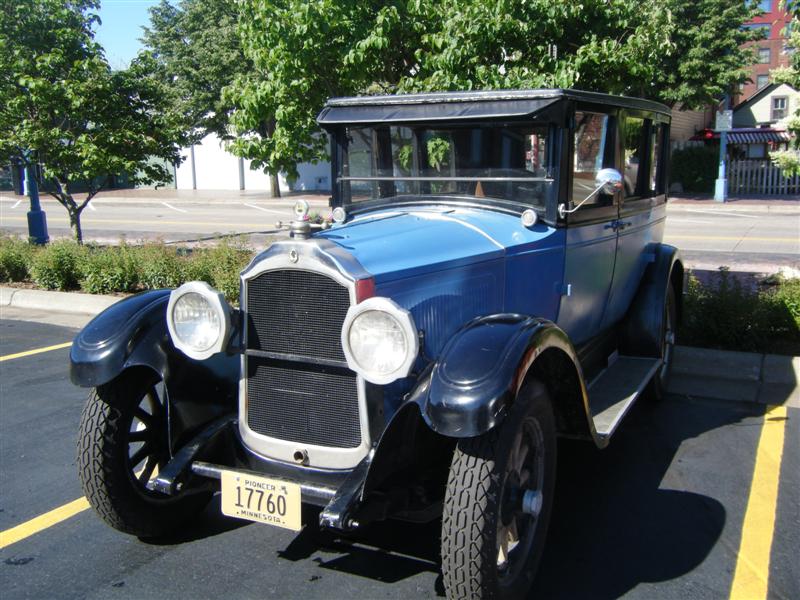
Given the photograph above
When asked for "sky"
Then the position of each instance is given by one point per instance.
(121, 29)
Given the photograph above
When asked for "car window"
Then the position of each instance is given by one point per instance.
(656, 178)
(635, 151)
(592, 151)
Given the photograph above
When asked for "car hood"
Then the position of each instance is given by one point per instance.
(393, 244)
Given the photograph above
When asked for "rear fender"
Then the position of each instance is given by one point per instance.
(641, 328)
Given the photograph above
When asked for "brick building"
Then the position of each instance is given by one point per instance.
(771, 52)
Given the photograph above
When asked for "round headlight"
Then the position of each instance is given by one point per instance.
(380, 340)
(197, 324)
(198, 319)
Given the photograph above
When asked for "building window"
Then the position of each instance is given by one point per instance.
(780, 105)
(761, 81)
(763, 56)
(765, 6)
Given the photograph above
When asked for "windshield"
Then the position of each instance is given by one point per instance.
(499, 162)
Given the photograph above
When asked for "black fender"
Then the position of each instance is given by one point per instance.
(640, 334)
(133, 334)
(470, 387)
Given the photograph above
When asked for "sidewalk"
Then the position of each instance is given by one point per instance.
(787, 204)
(697, 372)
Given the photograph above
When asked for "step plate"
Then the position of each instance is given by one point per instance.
(613, 392)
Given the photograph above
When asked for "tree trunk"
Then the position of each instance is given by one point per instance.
(275, 185)
(75, 226)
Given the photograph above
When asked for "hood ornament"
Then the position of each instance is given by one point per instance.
(301, 226)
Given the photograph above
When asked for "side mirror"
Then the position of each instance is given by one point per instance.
(608, 181)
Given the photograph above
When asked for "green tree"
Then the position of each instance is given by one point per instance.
(63, 107)
(196, 50)
(303, 52)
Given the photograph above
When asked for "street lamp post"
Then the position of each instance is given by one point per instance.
(723, 125)
(37, 220)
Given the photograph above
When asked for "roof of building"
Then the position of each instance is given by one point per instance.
(765, 91)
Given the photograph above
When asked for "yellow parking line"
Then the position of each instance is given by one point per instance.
(35, 351)
(751, 578)
(42, 522)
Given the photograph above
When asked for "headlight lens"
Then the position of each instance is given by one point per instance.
(378, 342)
(199, 320)
(197, 324)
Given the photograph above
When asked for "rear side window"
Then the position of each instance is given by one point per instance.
(635, 154)
(592, 152)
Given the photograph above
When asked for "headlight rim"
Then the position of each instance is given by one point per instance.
(218, 303)
(407, 325)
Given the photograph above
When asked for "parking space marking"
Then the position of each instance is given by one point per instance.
(736, 238)
(751, 578)
(266, 210)
(34, 351)
(168, 205)
(42, 522)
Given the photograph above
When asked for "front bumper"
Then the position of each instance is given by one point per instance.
(218, 447)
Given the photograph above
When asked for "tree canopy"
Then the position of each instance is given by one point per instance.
(674, 51)
(61, 105)
(196, 50)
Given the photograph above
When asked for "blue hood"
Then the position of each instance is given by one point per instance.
(399, 243)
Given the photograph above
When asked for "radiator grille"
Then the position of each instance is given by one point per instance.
(296, 312)
(290, 402)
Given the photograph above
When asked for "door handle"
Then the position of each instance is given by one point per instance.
(623, 224)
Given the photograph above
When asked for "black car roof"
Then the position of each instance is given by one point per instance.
(464, 105)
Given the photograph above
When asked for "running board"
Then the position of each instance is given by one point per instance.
(615, 390)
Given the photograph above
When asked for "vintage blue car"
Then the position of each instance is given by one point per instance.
(494, 278)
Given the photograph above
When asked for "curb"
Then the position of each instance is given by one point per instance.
(738, 376)
(62, 302)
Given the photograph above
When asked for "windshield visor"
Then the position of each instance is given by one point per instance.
(511, 163)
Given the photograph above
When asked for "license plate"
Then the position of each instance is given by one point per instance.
(261, 499)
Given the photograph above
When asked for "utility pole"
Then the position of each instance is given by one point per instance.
(37, 220)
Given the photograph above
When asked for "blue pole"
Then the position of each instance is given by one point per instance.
(37, 220)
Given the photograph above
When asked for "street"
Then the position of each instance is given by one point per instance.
(709, 235)
(665, 512)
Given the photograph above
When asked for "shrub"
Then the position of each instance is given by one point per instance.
(160, 266)
(730, 316)
(57, 265)
(220, 266)
(112, 269)
(15, 258)
(695, 168)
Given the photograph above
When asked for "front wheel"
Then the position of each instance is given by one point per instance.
(123, 441)
(498, 502)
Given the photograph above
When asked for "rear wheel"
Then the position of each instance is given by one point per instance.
(498, 501)
(660, 381)
(122, 443)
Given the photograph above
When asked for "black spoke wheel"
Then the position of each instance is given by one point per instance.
(498, 502)
(123, 442)
(658, 386)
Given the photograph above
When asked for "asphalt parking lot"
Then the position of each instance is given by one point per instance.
(694, 498)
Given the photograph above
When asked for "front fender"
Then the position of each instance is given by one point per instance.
(132, 332)
(480, 371)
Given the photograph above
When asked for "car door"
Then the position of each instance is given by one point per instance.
(591, 238)
(642, 211)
